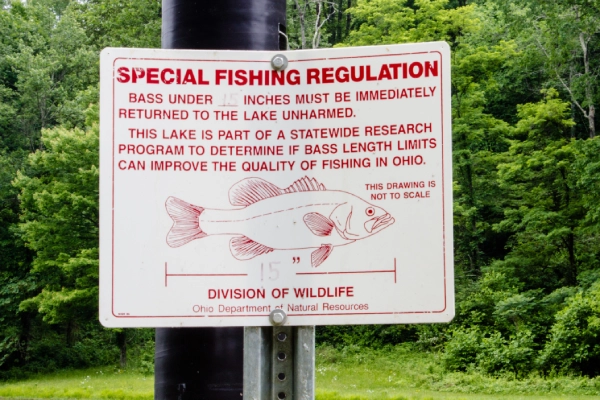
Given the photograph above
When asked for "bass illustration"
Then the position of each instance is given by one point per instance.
(302, 216)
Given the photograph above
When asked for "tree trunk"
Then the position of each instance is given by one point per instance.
(589, 95)
(24, 338)
(348, 19)
(591, 121)
(122, 343)
(301, 18)
(337, 36)
(317, 36)
(70, 334)
(572, 274)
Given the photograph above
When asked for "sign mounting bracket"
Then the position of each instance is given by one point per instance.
(279, 363)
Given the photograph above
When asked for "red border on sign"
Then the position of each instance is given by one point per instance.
(290, 314)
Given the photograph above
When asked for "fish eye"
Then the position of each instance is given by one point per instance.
(370, 211)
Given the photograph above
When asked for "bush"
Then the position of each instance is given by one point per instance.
(462, 349)
(574, 344)
(373, 336)
(499, 355)
(469, 349)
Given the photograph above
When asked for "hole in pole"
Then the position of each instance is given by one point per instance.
(281, 395)
(281, 356)
(281, 376)
(281, 336)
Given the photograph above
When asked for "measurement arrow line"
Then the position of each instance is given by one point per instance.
(345, 272)
(353, 272)
(207, 274)
(167, 275)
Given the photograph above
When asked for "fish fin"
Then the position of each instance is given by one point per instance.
(252, 190)
(186, 222)
(318, 224)
(319, 255)
(243, 248)
(304, 185)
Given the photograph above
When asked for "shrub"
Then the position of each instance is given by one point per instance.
(374, 336)
(574, 343)
(462, 349)
(499, 355)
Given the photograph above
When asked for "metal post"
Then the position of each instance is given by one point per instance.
(224, 24)
(192, 363)
(304, 367)
(257, 363)
(279, 363)
(207, 363)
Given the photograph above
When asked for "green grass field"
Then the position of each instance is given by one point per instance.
(400, 373)
(96, 383)
(350, 374)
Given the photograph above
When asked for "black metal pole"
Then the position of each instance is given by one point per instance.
(223, 24)
(207, 363)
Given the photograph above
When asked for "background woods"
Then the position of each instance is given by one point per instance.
(526, 160)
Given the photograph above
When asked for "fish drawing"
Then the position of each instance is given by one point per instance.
(304, 215)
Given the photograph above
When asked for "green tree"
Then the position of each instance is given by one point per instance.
(588, 172)
(311, 23)
(566, 33)
(59, 222)
(478, 138)
(574, 344)
(16, 283)
(543, 204)
(47, 73)
(114, 23)
(394, 21)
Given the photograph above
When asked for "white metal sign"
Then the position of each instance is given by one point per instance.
(230, 189)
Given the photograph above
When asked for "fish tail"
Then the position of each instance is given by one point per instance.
(186, 222)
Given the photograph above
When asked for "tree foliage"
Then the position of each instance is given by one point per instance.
(59, 222)
(385, 22)
(525, 222)
(49, 57)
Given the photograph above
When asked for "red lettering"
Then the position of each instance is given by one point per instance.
(431, 69)
(220, 74)
(327, 75)
(123, 75)
(342, 75)
(163, 76)
(189, 77)
(152, 77)
(241, 78)
(312, 74)
(138, 73)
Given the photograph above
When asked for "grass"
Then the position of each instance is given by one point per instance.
(95, 383)
(401, 373)
(349, 374)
